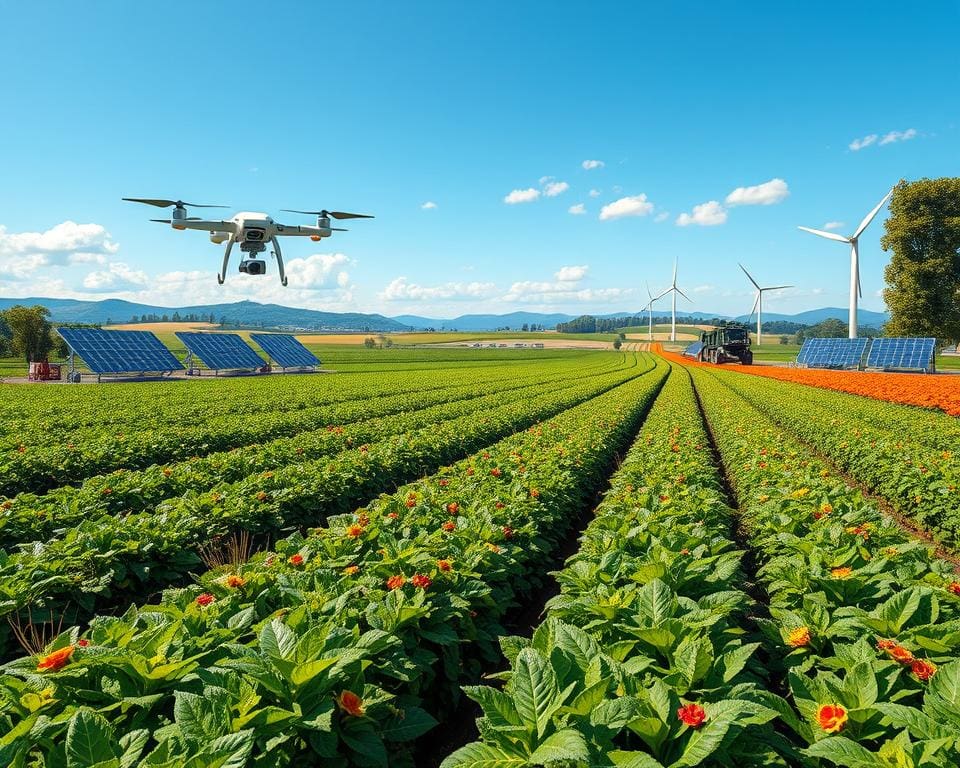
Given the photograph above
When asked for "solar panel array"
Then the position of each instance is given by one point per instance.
(693, 349)
(119, 351)
(901, 353)
(832, 353)
(285, 350)
(220, 351)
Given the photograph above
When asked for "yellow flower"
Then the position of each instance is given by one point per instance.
(799, 637)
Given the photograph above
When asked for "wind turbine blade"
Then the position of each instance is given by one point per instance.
(869, 217)
(828, 235)
(859, 288)
(674, 273)
(754, 307)
(775, 287)
(683, 294)
(749, 276)
(649, 295)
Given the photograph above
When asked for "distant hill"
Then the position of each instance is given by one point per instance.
(246, 313)
(814, 316)
(486, 322)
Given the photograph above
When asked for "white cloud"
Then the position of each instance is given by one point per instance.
(833, 225)
(343, 279)
(577, 210)
(544, 179)
(572, 274)
(707, 214)
(429, 205)
(589, 165)
(22, 253)
(768, 193)
(857, 144)
(638, 205)
(317, 272)
(663, 216)
(890, 138)
(594, 193)
(116, 277)
(401, 289)
(533, 292)
(522, 196)
(555, 188)
(704, 289)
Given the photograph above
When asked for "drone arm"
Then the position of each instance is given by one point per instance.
(286, 230)
(226, 258)
(206, 225)
(276, 252)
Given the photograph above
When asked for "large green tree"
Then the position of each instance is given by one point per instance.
(30, 332)
(923, 276)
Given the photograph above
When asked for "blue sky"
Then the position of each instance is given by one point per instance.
(382, 107)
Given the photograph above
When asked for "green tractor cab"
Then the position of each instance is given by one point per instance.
(727, 344)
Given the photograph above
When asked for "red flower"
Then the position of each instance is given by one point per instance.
(443, 483)
(507, 532)
(499, 505)
(204, 600)
(923, 669)
(411, 503)
(495, 472)
(350, 703)
(392, 515)
(453, 507)
(420, 581)
(883, 645)
(83, 642)
(954, 586)
(444, 565)
(831, 717)
(56, 660)
(692, 715)
(470, 471)
(449, 526)
(901, 654)
(295, 560)
(395, 582)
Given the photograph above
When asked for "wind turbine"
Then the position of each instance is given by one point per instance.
(674, 290)
(758, 302)
(853, 240)
(649, 309)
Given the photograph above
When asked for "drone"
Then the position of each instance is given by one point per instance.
(252, 230)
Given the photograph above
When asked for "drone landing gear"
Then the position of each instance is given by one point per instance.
(226, 258)
(279, 257)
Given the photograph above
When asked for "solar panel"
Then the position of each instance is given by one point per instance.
(693, 349)
(832, 353)
(120, 351)
(220, 351)
(285, 350)
(906, 353)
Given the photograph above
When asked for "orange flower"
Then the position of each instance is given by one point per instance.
(954, 586)
(420, 581)
(350, 703)
(411, 503)
(499, 505)
(295, 560)
(692, 715)
(799, 637)
(444, 565)
(443, 483)
(262, 496)
(534, 493)
(831, 717)
(885, 645)
(493, 547)
(395, 582)
(449, 526)
(901, 654)
(235, 582)
(495, 472)
(354, 531)
(470, 471)
(841, 573)
(453, 507)
(352, 570)
(56, 660)
(507, 532)
(392, 515)
(167, 472)
(923, 669)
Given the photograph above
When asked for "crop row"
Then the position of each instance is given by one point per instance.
(864, 626)
(123, 407)
(103, 560)
(643, 660)
(336, 645)
(40, 468)
(29, 517)
(917, 476)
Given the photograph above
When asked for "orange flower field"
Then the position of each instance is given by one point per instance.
(925, 390)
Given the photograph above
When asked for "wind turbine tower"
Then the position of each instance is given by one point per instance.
(674, 290)
(649, 308)
(758, 302)
(853, 240)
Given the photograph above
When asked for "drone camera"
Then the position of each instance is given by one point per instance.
(254, 235)
(253, 266)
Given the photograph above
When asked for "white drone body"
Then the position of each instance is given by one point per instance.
(252, 230)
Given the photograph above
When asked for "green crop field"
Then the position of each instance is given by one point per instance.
(316, 569)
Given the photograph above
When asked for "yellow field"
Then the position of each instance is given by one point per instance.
(164, 327)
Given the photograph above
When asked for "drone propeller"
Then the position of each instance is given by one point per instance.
(170, 221)
(334, 214)
(169, 203)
